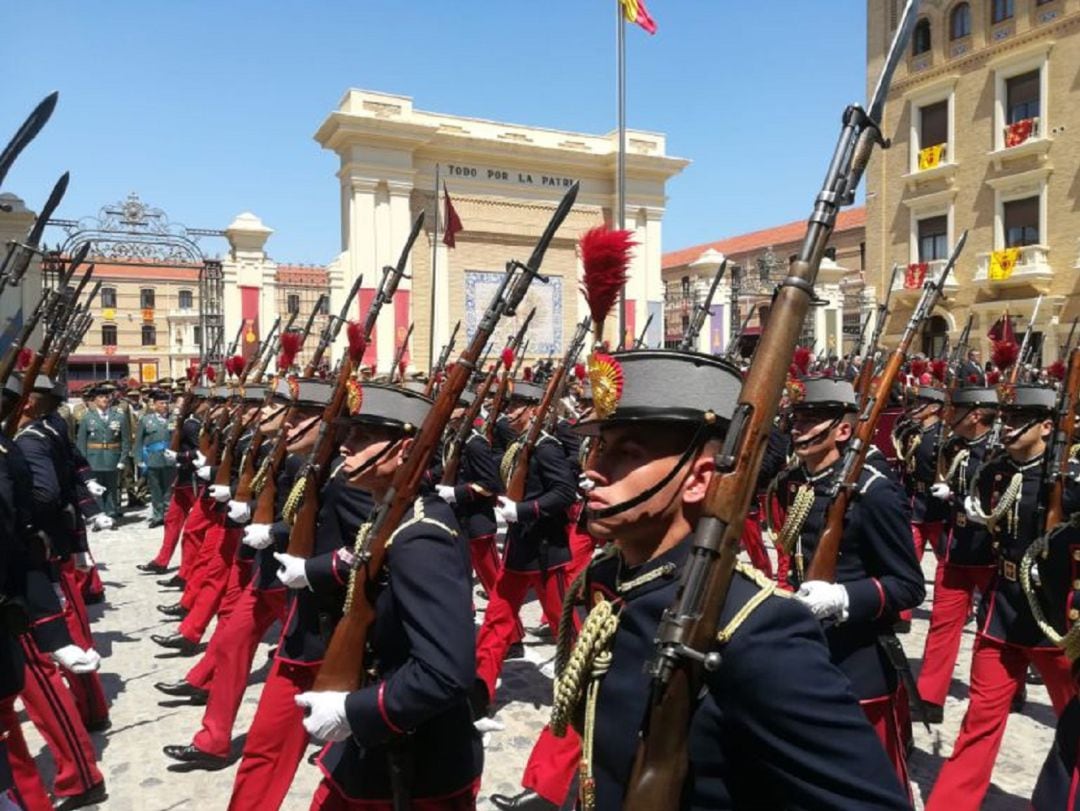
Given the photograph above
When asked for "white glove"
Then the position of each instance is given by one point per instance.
(239, 512)
(102, 521)
(446, 493)
(120, 466)
(973, 510)
(95, 488)
(203, 472)
(293, 571)
(941, 491)
(94, 657)
(507, 509)
(220, 493)
(326, 721)
(169, 454)
(824, 600)
(75, 659)
(257, 536)
(585, 484)
(200, 460)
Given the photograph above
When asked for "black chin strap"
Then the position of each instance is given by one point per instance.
(374, 460)
(645, 495)
(1015, 434)
(304, 433)
(272, 417)
(807, 441)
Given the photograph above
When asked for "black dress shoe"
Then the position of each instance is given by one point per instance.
(1019, 700)
(92, 796)
(183, 689)
(479, 700)
(515, 651)
(177, 642)
(174, 582)
(529, 800)
(196, 758)
(931, 713)
(155, 522)
(151, 568)
(541, 632)
(98, 725)
(174, 610)
(94, 598)
(902, 627)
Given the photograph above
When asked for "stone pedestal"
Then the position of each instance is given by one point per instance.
(248, 268)
(17, 301)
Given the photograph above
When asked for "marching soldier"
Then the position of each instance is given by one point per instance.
(756, 739)
(152, 437)
(1008, 639)
(104, 440)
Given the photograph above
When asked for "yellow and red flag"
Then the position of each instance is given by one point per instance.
(1002, 263)
(635, 12)
(931, 156)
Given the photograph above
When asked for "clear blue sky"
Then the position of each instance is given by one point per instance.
(207, 109)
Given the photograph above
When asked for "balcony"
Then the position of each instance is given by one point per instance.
(1027, 139)
(1032, 268)
(908, 285)
(928, 167)
(184, 314)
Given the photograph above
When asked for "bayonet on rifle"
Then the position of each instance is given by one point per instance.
(701, 309)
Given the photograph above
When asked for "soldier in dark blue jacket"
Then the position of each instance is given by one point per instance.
(776, 725)
(414, 708)
(877, 575)
(919, 457)
(1005, 498)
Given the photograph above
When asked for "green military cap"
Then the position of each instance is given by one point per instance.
(157, 395)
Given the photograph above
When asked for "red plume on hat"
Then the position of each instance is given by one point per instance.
(211, 373)
(527, 373)
(290, 348)
(939, 368)
(993, 378)
(605, 255)
(357, 344)
(917, 368)
(26, 355)
(801, 360)
(507, 357)
(234, 365)
(1004, 353)
(579, 371)
(193, 372)
(973, 379)
(1056, 370)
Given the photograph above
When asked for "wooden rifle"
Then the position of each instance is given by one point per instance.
(235, 341)
(187, 403)
(1050, 509)
(952, 381)
(845, 482)
(399, 356)
(701, 309)
(444, 358)
(640, 342)
(733, 345)
(869, 361)
(515, 485)
(316, 468)
(1025, 347)
(72, 327)
(452, 458)
(343, 665)
(687, 631)
(332, 329)
(273, 346)
(507, 380)
(255, 361)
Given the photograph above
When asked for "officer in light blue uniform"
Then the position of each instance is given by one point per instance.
(152, 437)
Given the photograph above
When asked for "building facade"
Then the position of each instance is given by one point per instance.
(980, 112)
(504, 181)
(755, 263)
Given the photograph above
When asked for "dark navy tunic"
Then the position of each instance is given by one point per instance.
(476, 487)
(777, 726)
(876, 565)
(422, 649)
(968, 542)
(538, 541)
(925, 509)
(1055, 789)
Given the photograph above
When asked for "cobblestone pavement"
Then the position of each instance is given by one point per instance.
(143, 720)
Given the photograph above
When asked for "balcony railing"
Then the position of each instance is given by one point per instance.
(908, 281)
(1032, 267)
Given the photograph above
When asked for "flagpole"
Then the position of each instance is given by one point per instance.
(620, 166)
(434, 288)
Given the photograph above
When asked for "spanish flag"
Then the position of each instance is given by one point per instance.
(635, 12)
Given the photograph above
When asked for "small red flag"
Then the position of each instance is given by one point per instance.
(453, 221)
(1002, 330)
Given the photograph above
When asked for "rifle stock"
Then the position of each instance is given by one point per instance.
(440, 365)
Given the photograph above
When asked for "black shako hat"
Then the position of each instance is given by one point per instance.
(525, 391)
(975, 397)
(1034, 399)
(823, 393)
(930, 394)
(661, 385)
(303, 392)
(386, 406)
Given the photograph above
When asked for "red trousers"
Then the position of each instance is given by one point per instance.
(196, 525)
(89, 583)
(497, 633)
(755, 547)
(927, 534)
(276, 741)
(997, 672)
(883, 717)
(327, 798)
(251, 617)
(218, 551)
(485, 560)
(954, 595)
(239, 576)
(52, 710)
(86, 687)
(29, 791)
(552, 765)
(180, 505)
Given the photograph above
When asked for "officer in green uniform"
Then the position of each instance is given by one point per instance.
(152, 436)
(105, 442)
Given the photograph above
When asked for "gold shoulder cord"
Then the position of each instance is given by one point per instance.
(908, 456)
(258, 481)
(797, 514)
(959, 460)
(292, 503)
(1008, 505)
(1070, 642)
(506, 466)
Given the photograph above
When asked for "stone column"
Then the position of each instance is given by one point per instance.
(360, 257)
(248, 266)
(652, 296)
(401, 308)
(14, 225)
(704, 268)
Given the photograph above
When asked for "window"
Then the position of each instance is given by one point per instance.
(1022, 97)
(108, 297)
(108, 334)
(186, 300)
(934, 124)
(1021, 222)
(1001, 10)
(149, 335)
(196, 332)
(960, 22)
(292, 303)
(146, 298)
(920, 40)
(933, 238)
(685, 286)
(324, 306)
